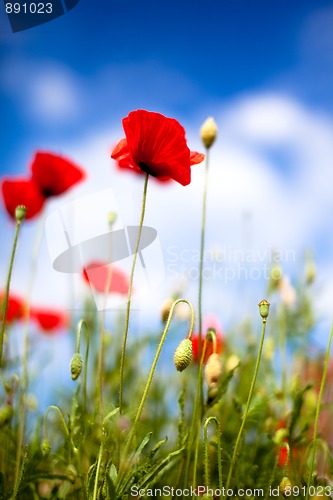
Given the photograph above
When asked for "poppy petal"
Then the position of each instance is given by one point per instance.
(54, 174)
(49, 319)
(156, 145)
(97, 274)
(196, 158)
(22, 192)
(15, 308)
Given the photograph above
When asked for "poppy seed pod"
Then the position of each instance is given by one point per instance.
(213, 370)
(285, 486)
(264, 309)
(76, 365)
(20, 213)
(46, 447)
(6, 414)
(208, 132)
(183, 355)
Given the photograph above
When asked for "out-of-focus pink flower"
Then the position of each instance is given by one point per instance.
(98, 273)
(287, 291)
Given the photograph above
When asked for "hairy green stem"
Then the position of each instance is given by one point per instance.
(130, 287)
(151, 373)
(219, 452)
(9, 276)
(320, 396)
(240, 433)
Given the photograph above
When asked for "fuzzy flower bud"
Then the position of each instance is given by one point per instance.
(76, 365)
(213, 370)
(6, 414)
(46, 447)
(165, 311)
(208, 132)
(20, 213)
(285, 486)
(183, 355)
(264, 309)
(112, 217)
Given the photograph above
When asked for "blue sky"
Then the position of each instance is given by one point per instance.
(262, 69)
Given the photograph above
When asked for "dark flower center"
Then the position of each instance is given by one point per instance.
(47, 192)
(146, 168)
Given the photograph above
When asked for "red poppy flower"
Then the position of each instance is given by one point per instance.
(156, 145)
(51, 175)
(283, 456)
(97, 274)
(54, 174)
(22, 192)
(49, 319)
(211, 321)
(15, 308)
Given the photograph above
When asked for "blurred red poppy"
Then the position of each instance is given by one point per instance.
(15, 308)
(22, 192)
(49, 320)
(156, 145)
(211, 321)
(97, 274)
(51, 175)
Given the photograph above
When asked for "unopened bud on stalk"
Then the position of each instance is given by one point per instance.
(112, 217)
(310, 270)
(213, 370)
(76, 365)
(20, 213)
(6, 414)
(46, 447)
(165, 311)
(208, 132)
(285, 486)
(183, 355)
(264, 309)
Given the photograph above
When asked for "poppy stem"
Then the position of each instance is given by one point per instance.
(202, 249)
(130, 287)
(247, 408)
(315, 428)
(25, 378)
(9, 276)
(151, 374)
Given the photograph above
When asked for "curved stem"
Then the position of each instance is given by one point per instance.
(320, 396)
(219, 454)
(101, 450)
(151, 374)
(130, 287)
(240, 433)
(9, 276)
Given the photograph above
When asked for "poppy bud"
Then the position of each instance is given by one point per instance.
(208, 132)
(20, 213)
(6, 414)
(183, 355)
(165, 311)
(285, 486)
(46, 447)
(76, 365)
(310, 271)
(264, 309)
(112, 217)
(213, 370)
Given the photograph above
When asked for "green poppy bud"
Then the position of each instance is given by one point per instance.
(46, 447)
(183, 355)
(285, 486)
(76, 365)
(6, 414)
